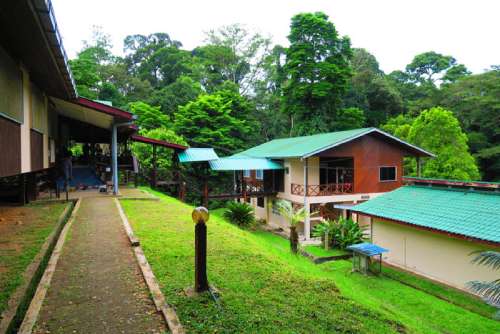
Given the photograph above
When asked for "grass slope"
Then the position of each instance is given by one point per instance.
(265, 289)
(20, 243)
(320, 251)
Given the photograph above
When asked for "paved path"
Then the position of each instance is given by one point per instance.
(97, 286)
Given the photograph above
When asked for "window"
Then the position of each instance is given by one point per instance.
(260, 202)
(259, 174)
(246, 173)
(387, 174)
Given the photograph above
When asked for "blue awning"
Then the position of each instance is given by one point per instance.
(197, 155)
(244, 164)
(367, 249)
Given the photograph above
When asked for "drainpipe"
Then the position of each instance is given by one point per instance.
(114, 154)
(307, 222)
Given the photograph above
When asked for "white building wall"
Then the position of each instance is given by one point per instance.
(439, 257)
(26, 126)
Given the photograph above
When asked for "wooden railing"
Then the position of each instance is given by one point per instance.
(322, 189)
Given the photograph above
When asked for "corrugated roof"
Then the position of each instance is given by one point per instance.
(244, 164)
(197, 155)
(474, 214)
(367, 249)
(306, 146)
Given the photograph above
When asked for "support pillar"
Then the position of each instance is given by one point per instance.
(154, 170)
(243, 187)
(419, 167)
(307, 220)
(114, 158)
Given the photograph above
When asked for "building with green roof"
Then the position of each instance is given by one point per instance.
(322, 169)
(431, 228)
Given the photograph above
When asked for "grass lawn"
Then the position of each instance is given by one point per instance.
(320, 251)
(441, 291)
(266, 289)
(23, 230)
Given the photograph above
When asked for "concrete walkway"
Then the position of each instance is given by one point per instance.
(97, 286)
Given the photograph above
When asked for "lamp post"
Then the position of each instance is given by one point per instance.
(200, 216)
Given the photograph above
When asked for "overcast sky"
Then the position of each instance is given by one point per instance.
(393, 30)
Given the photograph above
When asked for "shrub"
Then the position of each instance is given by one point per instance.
(339, 233)
(240, 214)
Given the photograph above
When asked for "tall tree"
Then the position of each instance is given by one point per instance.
(475, 101)
(439, 132)
(249, 49)
(317, 72)
(370, 90)
(210, 121)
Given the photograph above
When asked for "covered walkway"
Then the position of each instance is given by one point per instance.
(97, 286)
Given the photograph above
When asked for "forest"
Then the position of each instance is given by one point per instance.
(239, 89)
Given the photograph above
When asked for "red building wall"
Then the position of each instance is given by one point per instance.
(370, 153)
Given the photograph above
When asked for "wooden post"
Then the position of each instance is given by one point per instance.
(200, 217)
(154, 170)
(419, 167)
(243, 187)
(23, 196)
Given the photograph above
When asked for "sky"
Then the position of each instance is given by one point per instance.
(392, 30)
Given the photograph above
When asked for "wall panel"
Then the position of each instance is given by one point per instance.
(10, 147)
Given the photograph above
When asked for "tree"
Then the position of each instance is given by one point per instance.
(294, 217)
(349, 118)
(439, 132)
(474, 101)
(179, 93)
(144, 152)
(317, 71)
(249, 51)
(426, 66)
(490, 291)
(267, 98)
(148, 117)
(209, 121)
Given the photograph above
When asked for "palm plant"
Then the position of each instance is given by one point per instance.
(240, 214)
(325, 231)
(294, 217)
(490, 291)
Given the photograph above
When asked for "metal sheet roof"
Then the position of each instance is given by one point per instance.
(367, 249)
(197, 155)
(244, 164)
(307, 146)
(474, 214)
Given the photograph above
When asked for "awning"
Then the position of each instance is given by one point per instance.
(244, 164)
(197, 155)
(152, 141)
(87, 111)
(367, 249)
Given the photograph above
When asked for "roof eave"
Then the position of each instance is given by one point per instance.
(426, 228)
(368, 131)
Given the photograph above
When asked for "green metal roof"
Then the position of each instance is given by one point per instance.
(307, 146)
(197, 155)
(244, 164)
(469, 213)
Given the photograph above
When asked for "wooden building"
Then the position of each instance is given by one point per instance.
(40, 110)
(322, 170)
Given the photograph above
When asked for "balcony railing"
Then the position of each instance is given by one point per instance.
(322, 189)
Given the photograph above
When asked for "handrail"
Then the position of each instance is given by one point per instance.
(322, 189)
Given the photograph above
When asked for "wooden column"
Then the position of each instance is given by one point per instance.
(154, 169)
(243, 187)
(419, 167)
